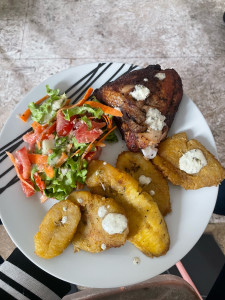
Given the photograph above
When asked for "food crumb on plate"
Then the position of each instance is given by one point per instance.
(136, 260)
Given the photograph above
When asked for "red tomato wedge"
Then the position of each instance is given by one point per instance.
(32, 137)
(39, 182)
(28, 191)
(63, 127)
(26, 184)
(84, 135)
(23, 158)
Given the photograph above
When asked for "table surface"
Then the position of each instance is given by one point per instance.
(40, 38)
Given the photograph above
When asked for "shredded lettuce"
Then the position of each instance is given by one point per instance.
(45, 112)
(111, 137)
(87, 121)
(79, 110)
(63, 184)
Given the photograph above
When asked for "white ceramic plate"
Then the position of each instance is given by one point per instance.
(191, 210)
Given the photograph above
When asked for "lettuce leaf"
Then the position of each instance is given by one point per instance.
(79, 110)
(45, 112)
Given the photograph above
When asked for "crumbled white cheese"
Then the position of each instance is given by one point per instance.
(145, 79)
(152, 193)
(105, 163)
(64, 220)
(140, 92)
(108, 206)
(154, 119)
(102, 211)
(160, 76)
(149, 152)
(79, 200)
(136, 260)
(47, 145)
(103, 246)
(192, 161)
(117, 108)
(144, 179)
(114, 223)
(57, 104)
(54, 160)
(97, 173)
(64, 171)
(64, 208)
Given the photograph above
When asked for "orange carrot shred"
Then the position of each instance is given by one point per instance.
(49, 171)
(24, 117)
(87, 150)
(86, 96)
(81, 102)
(75, 152)
(106, 109)
(61, 160)
(17, 171)
(38, 159)
(43, 198)
(103, 138)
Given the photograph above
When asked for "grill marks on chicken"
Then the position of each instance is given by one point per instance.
(165, 94)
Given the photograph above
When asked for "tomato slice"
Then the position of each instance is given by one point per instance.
(63, 127)
(84, 135)
(39, 182)
(22, 157)
(26, 189)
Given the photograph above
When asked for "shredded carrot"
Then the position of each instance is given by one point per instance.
(86, 96)
(108, 121)
(75, 152)
(24, 117)
(49, 171)
(88, 149)
(46, 132)
(98, 143)
(61, 160)
(38, 159)
(17, 170)
(107, 110)
(38, 127)
(43, 198)
(81, 102)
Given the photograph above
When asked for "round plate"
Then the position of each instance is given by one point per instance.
(191, 210)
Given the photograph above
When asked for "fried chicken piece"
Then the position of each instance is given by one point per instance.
(167, 161)
(90, 235)
(136, 94)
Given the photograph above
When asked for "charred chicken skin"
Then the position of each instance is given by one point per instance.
(149, 99)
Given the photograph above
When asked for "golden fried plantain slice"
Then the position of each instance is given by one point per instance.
(147, 228)
(167, 161)
(90, 235)
(136, 165)
(57, 229)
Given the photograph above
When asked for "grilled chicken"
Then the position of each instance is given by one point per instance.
(148, 99)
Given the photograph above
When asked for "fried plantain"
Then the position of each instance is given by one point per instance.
(167, 161)
(136, 165)
(90, 235)
(147, 228)
(57, 229)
